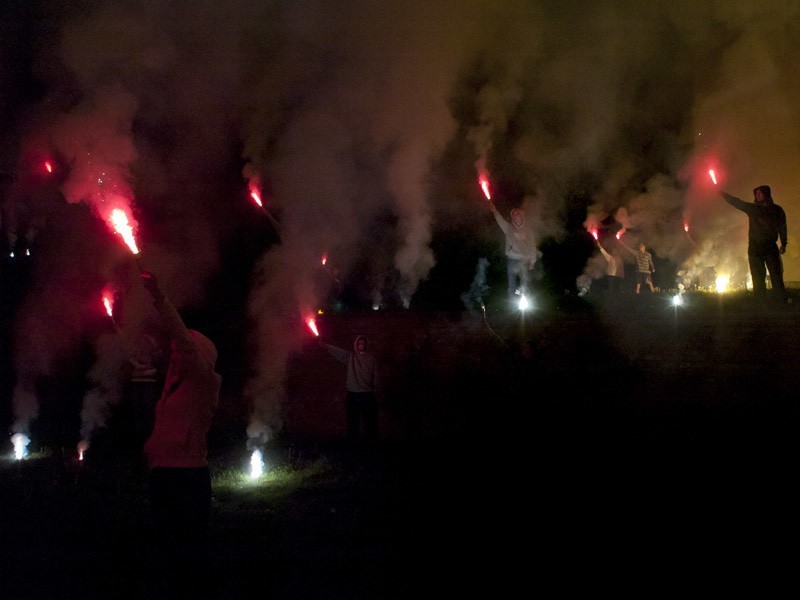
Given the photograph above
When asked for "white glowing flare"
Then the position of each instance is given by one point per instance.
(312, 326)
(594, 233)
(483, 181)
(721, 283)
(83, 446)
(255, 194)
(107, 304)
(524, 304)
(677, 300)
(20, 442)
(256, 464)
(713, 176)
(119, 221)
(324, 259)
(48, 166)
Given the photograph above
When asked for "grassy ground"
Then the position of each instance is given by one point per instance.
(627, 447)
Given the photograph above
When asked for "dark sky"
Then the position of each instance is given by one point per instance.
(365, 124)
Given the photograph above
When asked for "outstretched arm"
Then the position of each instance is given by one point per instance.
(736, 202)
(782, 232)
(173, 323)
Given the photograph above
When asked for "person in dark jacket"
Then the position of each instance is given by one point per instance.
(767, 227)
(361, 403)
(176, 451)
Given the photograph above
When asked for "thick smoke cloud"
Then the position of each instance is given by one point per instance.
(363, 123)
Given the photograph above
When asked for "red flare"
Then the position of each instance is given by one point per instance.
(594, 233)
(713, 176)
(312, 326)
(108, 305)
(48, 166)
(483, 180)
(324, 259)
(119, 221)
(255, 194)
(686, 227)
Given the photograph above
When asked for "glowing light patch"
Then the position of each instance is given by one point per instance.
(256, 464)
(524, 303)
(20, 442)
(721, 283)
(677, 300)
(83, 446)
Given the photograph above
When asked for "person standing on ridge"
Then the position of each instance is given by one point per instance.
(767, 227)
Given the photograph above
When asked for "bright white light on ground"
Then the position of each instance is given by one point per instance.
(20, 441)
(721, 283)
(256, 464)
(524, 304)
(677, 300)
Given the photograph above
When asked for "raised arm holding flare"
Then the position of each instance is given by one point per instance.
(520, 250)
(767, 227)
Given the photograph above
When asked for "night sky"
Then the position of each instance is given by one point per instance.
(365, 125)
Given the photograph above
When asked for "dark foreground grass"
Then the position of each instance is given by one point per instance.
(630, 448)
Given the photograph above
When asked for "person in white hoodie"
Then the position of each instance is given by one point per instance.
(361, 402)
(520, 250)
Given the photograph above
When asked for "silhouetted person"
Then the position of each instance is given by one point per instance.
(176, 451)
(767, 227)
(361, 402)
(644, 266)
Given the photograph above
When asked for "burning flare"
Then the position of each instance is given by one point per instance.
(312, 326)
(483, 180)
(256, 464)
(83, 446)
(255, 194)
(108, 305)
(48, 166)
(119, 221)
(20, 442)
(713, 176)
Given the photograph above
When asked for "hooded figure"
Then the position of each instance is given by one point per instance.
(361, 405)
(767, 227)
(520, 250)
(176, 451)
